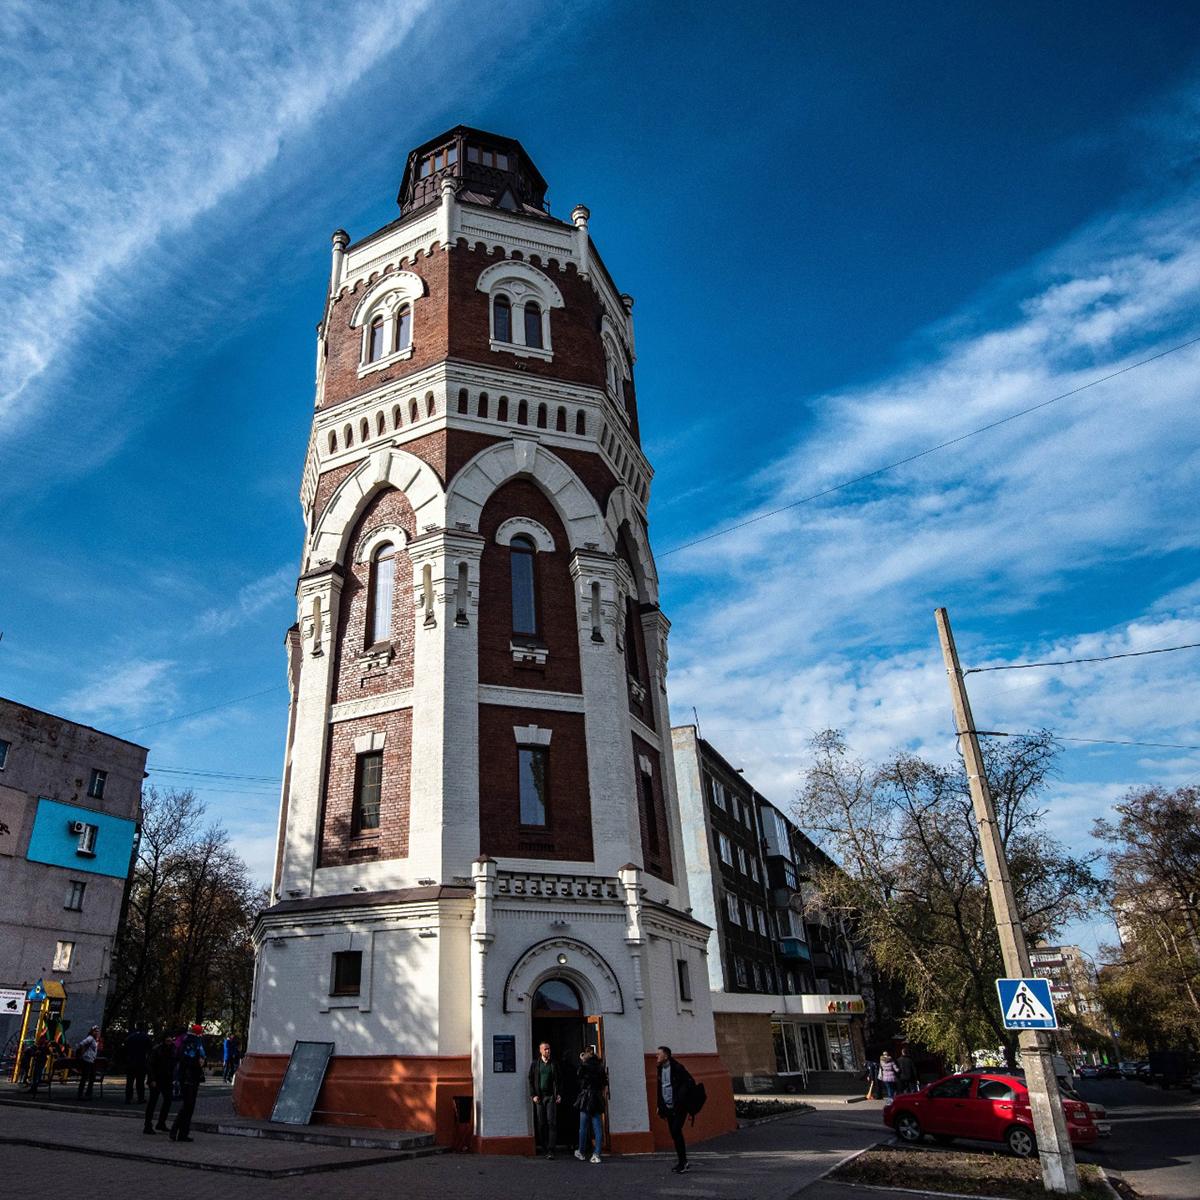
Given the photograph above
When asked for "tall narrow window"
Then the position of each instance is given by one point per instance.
(502, 319)
(533, 325)
(580, 422)
(403, 327)
(533, 764)
(4, 748)
(380, 592)
(375, 349)
(464, 400)
(541, 416)
(523, 413)
(96, 784)
(524, 594)
(75, 890)
(685, 979)
(368, 781)
(647, 789)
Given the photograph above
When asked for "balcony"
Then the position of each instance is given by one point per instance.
(793, 948)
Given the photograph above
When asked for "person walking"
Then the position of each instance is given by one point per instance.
(162, 1078)
(191, 1073)
(887, 1074)
(872, 1076)
(593, 1094)
(675, 1085)
(906, 1071)
(137, 1053)
(545, 1092)
(231, 1056)
(88, 1049)
(41, 1053)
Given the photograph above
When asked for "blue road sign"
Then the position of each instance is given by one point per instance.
(1026, 1004)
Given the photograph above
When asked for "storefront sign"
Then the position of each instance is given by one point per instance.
(844, 1007)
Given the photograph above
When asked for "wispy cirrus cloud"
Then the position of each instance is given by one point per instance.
(250, 600)
(123, 690)
(126, 124)
(822, 616)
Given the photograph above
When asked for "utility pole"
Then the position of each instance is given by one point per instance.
(1049, 1120)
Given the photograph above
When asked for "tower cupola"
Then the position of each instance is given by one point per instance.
(488, 169)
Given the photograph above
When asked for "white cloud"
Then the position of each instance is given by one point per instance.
(122, 691)
(823, 616)
(251, 599)
(129, 123)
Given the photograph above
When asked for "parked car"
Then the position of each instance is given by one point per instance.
(1087, 1071)
(1128, 1069)
(1110, 1071)
(986, 1107)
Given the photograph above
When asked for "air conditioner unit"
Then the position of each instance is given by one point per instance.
(77, 826)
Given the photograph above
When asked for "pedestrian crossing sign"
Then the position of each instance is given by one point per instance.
(1026, 1004)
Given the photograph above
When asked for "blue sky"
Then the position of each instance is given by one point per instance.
(851, 232)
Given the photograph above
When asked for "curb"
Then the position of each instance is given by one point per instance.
(796, 1110)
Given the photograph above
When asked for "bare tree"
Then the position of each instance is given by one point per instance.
(913, 871)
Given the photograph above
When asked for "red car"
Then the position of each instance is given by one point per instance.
(985, 1108)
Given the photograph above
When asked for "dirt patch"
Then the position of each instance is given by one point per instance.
(974, 1172)
(756, 1110)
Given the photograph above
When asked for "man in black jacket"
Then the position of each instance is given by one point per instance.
(162, 1078)
(545, 1093)
(137, 1052)
(674, 1087)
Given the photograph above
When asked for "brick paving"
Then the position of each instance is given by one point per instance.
(774, 1161)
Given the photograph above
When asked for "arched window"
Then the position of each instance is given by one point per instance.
(364, 430)
(430, 404)
(556, 998)
(560, 422)
(502, 409)
(414, 412)
(483, 404)
(375, 350)
(333, 441)
(348, 436)
(521, 556)
(581, 422)
(379, 594)
(502, 319)
(464, 400)
(523, 413)
(403, 327)
(380, 423)
(533, 325)
(541, 416)
(395, 416)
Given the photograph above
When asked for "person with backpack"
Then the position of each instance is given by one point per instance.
(677, 1091)
(888, 1074)
(162, 1081)
(191, 1073)
(592, 1097)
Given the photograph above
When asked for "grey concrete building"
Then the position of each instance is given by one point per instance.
(70, 804)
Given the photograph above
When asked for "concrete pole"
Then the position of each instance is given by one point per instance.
(1049, 1120)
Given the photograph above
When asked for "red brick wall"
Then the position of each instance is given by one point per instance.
(657, 864)
(328, 484)
(338, 845)
(352, 678)
(555, 591)
(569, 834)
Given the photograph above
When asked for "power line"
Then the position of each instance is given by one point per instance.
(1091, 741)
(201, 772)
(962, 437)
(196, 712)
(1066, 662)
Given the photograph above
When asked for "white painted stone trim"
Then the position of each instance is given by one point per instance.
(370, 706)
(399, 287)
(513, 697)
(374, 538)
(531, 735)
(538, 534)
(366, 743)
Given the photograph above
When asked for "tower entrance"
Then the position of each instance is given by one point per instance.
(558, 1018)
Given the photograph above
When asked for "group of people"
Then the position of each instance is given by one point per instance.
(676, 1093)
(891, 1076)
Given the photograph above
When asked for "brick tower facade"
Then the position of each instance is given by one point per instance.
(479, 838)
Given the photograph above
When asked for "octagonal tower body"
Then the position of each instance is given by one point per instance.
(479, 839)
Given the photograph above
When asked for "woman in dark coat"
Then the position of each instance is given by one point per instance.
(591, 1101)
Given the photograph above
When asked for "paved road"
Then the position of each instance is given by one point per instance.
(1155, 1143)
(772, 1161)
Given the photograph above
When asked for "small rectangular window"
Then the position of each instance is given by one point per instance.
(63, 953)
(96, 784)
(734, 909)
(533, 765)
(368, 786)
(743, 864)
(451, 156)
(754, 869)
(502, 161)
(487, 158)
(87, 839)
(426, 167)
(724, 849)
(740, 972)
(75, 892)
(749, 915)
(762, 922)
(718, 793)
(685, 979)
(473, 154)
(4, 746)
(346, 977)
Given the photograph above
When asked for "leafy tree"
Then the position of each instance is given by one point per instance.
(1153, 990)
(184, 952)
(913, 871)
